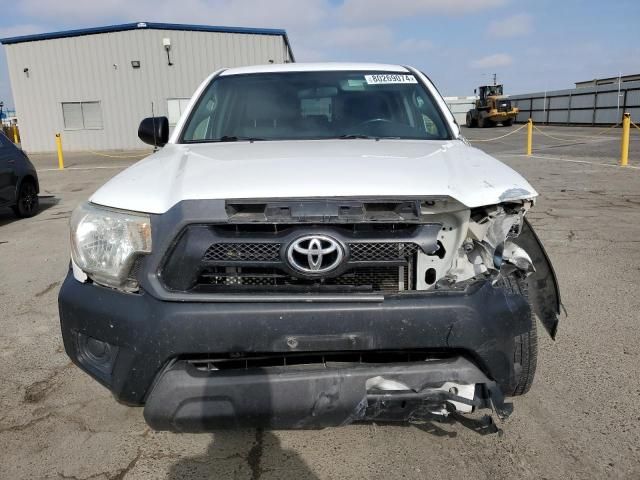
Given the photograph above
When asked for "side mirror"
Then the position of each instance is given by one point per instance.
(154, 131)
(475, 91)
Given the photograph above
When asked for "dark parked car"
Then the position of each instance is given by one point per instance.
(18, 180)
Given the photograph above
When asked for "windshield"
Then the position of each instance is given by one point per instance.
(315, 105)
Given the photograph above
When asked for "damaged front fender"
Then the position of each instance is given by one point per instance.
(544, 292)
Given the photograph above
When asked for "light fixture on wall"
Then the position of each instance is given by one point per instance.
(166, 42)
(26, 72)
(135, 63)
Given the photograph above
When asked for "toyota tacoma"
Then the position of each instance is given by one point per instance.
(312, 245)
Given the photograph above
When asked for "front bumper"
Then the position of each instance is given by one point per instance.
(151, 338)
(185, 399)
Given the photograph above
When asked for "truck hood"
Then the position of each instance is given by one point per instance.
(316, 168)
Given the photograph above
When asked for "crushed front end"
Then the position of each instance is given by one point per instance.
(310, 313)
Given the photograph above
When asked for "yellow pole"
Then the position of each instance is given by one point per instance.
(15, 134)
(624, 151)
(529, 136)
(59, 147)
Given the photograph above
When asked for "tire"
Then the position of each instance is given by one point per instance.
(481, 122)
(507, 123)
(525, 355)
(27, 200)
(470, 122)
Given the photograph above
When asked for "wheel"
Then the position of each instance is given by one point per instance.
(525, 356)
(27, 201)
(507, 123)
(470, 123)
(482, 123)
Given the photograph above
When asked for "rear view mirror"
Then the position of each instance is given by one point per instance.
(318, 92)
(154, 131)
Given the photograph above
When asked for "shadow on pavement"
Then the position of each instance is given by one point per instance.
(433, 425)
(46, 202)
(220, 462)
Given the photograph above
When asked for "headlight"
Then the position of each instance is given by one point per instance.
(105, 242)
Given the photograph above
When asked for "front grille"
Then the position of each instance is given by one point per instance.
(227, 277)
(504, 105)
(365, 279)
(270, 252)
(372, 252)
(323, 359)
(379, 258)
(265, 252)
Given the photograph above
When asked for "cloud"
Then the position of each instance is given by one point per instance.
(490, 61)
(414, 45)
(246, 12)
(274, 13)
(359, 38)
(513, 26)
(374, 42)
(318, 29)
(364, 11)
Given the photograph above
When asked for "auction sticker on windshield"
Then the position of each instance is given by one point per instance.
(389, 78)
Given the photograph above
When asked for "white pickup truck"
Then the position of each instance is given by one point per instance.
(313, 245)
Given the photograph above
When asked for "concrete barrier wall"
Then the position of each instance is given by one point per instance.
(601, 105)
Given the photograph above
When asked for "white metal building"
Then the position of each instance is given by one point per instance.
(95, 85)
(459, 106)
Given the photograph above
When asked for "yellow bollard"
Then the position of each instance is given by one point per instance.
(15, 134)
(624, 150)
(59, 147)
(529, 136)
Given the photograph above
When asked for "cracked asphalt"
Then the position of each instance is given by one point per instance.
(580, 420)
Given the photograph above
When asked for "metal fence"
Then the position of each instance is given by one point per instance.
(600, 105)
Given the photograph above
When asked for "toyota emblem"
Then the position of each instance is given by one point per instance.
(315, 254)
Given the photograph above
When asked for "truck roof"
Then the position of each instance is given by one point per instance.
(314, 67)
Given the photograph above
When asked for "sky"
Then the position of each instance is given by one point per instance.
(530, 45)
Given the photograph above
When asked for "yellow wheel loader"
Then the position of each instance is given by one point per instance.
(491, 108)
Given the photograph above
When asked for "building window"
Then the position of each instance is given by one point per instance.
(175, 107)
(82, 115)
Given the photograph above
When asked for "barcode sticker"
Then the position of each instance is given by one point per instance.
(380, 79)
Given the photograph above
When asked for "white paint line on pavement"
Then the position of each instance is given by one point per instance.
(80, 168)
(544, 157)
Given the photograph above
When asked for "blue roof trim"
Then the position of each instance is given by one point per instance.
(146, 25)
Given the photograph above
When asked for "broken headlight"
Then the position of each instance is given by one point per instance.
(105, 242)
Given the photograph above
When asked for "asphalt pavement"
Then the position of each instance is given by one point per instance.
(580, 420)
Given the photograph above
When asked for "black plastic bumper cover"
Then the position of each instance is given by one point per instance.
(188, 400)
(149, 333)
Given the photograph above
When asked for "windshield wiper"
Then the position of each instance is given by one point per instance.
(233, 138)
(225, 138)
(358, 136)
(351, 136)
